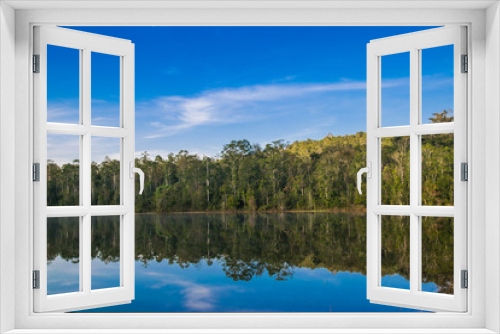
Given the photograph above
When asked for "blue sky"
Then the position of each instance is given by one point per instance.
(198, 88)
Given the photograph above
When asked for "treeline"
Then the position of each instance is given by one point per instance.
(305, 175)
(252, 245)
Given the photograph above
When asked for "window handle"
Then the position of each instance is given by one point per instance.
(133, 170)
(368, 171)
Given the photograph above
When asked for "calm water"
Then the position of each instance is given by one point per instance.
(292, 262)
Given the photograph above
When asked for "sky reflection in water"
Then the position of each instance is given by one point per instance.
(236, 263)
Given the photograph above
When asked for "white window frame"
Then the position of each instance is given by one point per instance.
(86, 44)
(483, 102)
(414, 43)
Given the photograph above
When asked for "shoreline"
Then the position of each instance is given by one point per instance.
(357, 210)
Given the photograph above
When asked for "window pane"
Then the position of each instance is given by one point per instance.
(105, 252)
(395, 95)
(437, 169)
(437, 84)
(63, 170)
(63, 255)
(437, 254)
(105, 171)
(395, 252)
(105, 89)
(395, 171)
(63, 85)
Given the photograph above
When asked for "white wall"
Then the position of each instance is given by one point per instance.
(491, 166)
(7, 161)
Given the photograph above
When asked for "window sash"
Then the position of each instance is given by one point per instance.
(413, 43)
(86, 297)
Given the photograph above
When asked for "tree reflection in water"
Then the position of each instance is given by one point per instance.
(250, 245)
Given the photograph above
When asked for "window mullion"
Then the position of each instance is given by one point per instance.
(81, 227)
(85, 274)
(415, 242)
(86, 186)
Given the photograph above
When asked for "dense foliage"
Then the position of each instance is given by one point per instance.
(304, 175)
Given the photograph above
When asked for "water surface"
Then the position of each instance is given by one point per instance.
(288, 262)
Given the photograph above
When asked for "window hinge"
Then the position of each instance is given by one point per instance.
(36, 279)
(465, 64)
(36, 172)
(464, 167)
(465, 279)
(36, 63)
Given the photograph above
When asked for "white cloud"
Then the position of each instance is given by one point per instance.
(103, 147)
(436, 81)
(67, 110)
(230, 105)
(63, 111)
(63, 149)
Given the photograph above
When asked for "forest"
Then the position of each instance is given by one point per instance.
(309, 175)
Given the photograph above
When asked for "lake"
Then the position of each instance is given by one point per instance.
(221, 262)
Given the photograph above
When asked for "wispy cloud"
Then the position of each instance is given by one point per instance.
(103, 147)
(230, 105)
(63, 111)
(67, 110)
(436, 81)
(63, 149)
